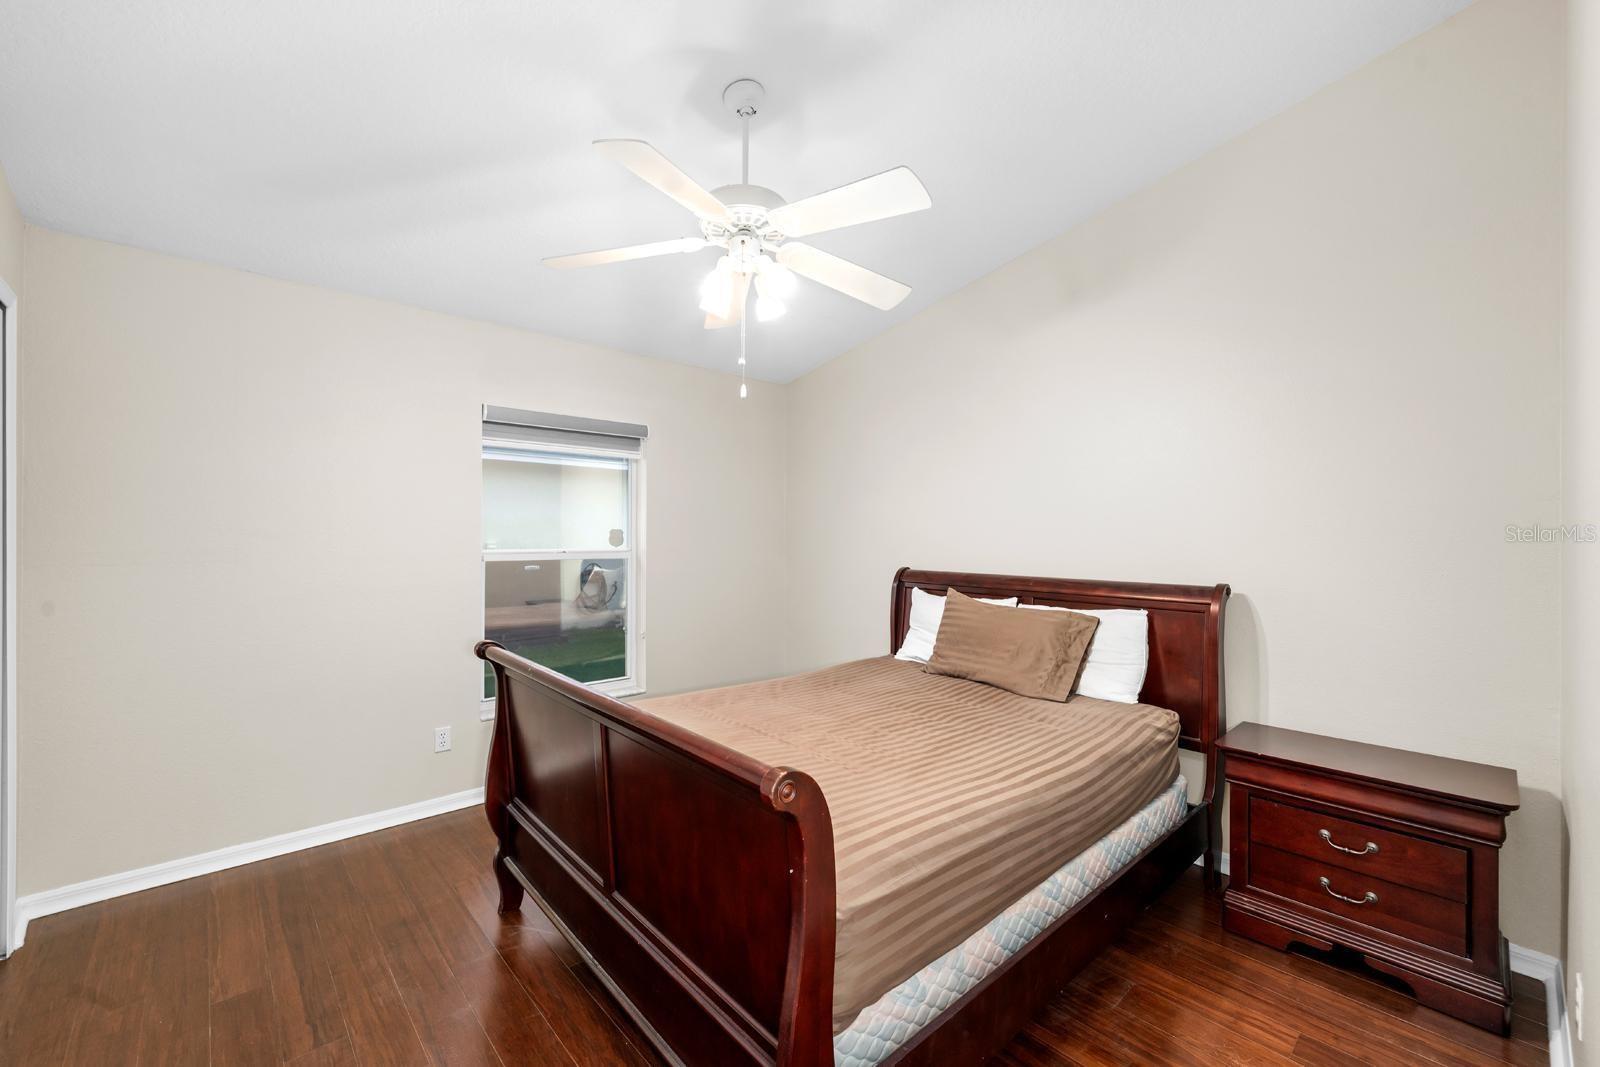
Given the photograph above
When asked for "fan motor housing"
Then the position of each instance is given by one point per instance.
(748, 207)
(748, 196)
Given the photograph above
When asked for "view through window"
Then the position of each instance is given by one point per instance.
(560, 559)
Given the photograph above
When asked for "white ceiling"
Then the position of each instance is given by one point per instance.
(432, 151)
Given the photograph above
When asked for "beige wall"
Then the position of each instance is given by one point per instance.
(10, 237)
(1321, 363)
(250, 572)
(1581, 704)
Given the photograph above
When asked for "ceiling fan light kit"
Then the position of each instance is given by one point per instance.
(755, 228)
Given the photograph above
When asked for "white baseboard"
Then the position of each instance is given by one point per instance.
(1547, 969)
(68, 897)
(1539, 966)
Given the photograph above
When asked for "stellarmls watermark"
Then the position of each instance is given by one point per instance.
(1578, 533)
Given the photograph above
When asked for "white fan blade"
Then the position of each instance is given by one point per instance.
(656, 169)
(622, 255)
(843, 275)
(882, 196)
(735, 309)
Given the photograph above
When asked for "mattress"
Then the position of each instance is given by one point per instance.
(899, 1014)
(950, 799)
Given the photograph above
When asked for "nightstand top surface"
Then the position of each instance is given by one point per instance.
(1451, 779)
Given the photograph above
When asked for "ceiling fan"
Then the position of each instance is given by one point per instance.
(756, 227)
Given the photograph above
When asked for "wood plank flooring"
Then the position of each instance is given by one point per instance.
(289, 962)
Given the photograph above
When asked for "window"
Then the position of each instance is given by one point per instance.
(562, 567)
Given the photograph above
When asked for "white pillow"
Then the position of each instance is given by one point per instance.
(926, 611)
(1118, 655)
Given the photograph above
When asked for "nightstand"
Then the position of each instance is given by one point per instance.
(1393, 854)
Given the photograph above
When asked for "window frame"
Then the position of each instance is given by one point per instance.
(633, 683)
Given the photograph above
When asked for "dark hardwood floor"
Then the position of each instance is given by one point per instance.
(284, 961)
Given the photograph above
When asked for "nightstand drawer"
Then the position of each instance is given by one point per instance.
(1409, 913)
(1360, 848)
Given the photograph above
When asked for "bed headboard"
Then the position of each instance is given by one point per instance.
(1185, 672)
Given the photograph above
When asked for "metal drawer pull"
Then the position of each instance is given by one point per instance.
(1372, 846)
(1370, 898)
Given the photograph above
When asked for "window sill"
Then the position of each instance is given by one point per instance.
(486, 707)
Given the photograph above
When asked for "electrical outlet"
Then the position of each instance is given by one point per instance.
(1577, 1002)
(441, 739)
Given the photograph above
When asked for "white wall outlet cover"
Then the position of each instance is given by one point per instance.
(441, 739)
(1577, 1001)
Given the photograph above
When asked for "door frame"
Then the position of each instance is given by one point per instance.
(9, 940)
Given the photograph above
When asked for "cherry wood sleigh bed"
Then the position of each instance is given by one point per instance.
(598, 807)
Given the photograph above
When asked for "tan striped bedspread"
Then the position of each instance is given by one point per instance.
(950, 798)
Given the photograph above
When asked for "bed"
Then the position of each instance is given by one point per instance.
(866, 864)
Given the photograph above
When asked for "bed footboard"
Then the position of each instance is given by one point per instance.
(697, 881)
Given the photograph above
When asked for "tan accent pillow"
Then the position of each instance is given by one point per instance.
(1031, 653)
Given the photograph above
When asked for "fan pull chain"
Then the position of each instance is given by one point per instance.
(744, 172)
(743, 391)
